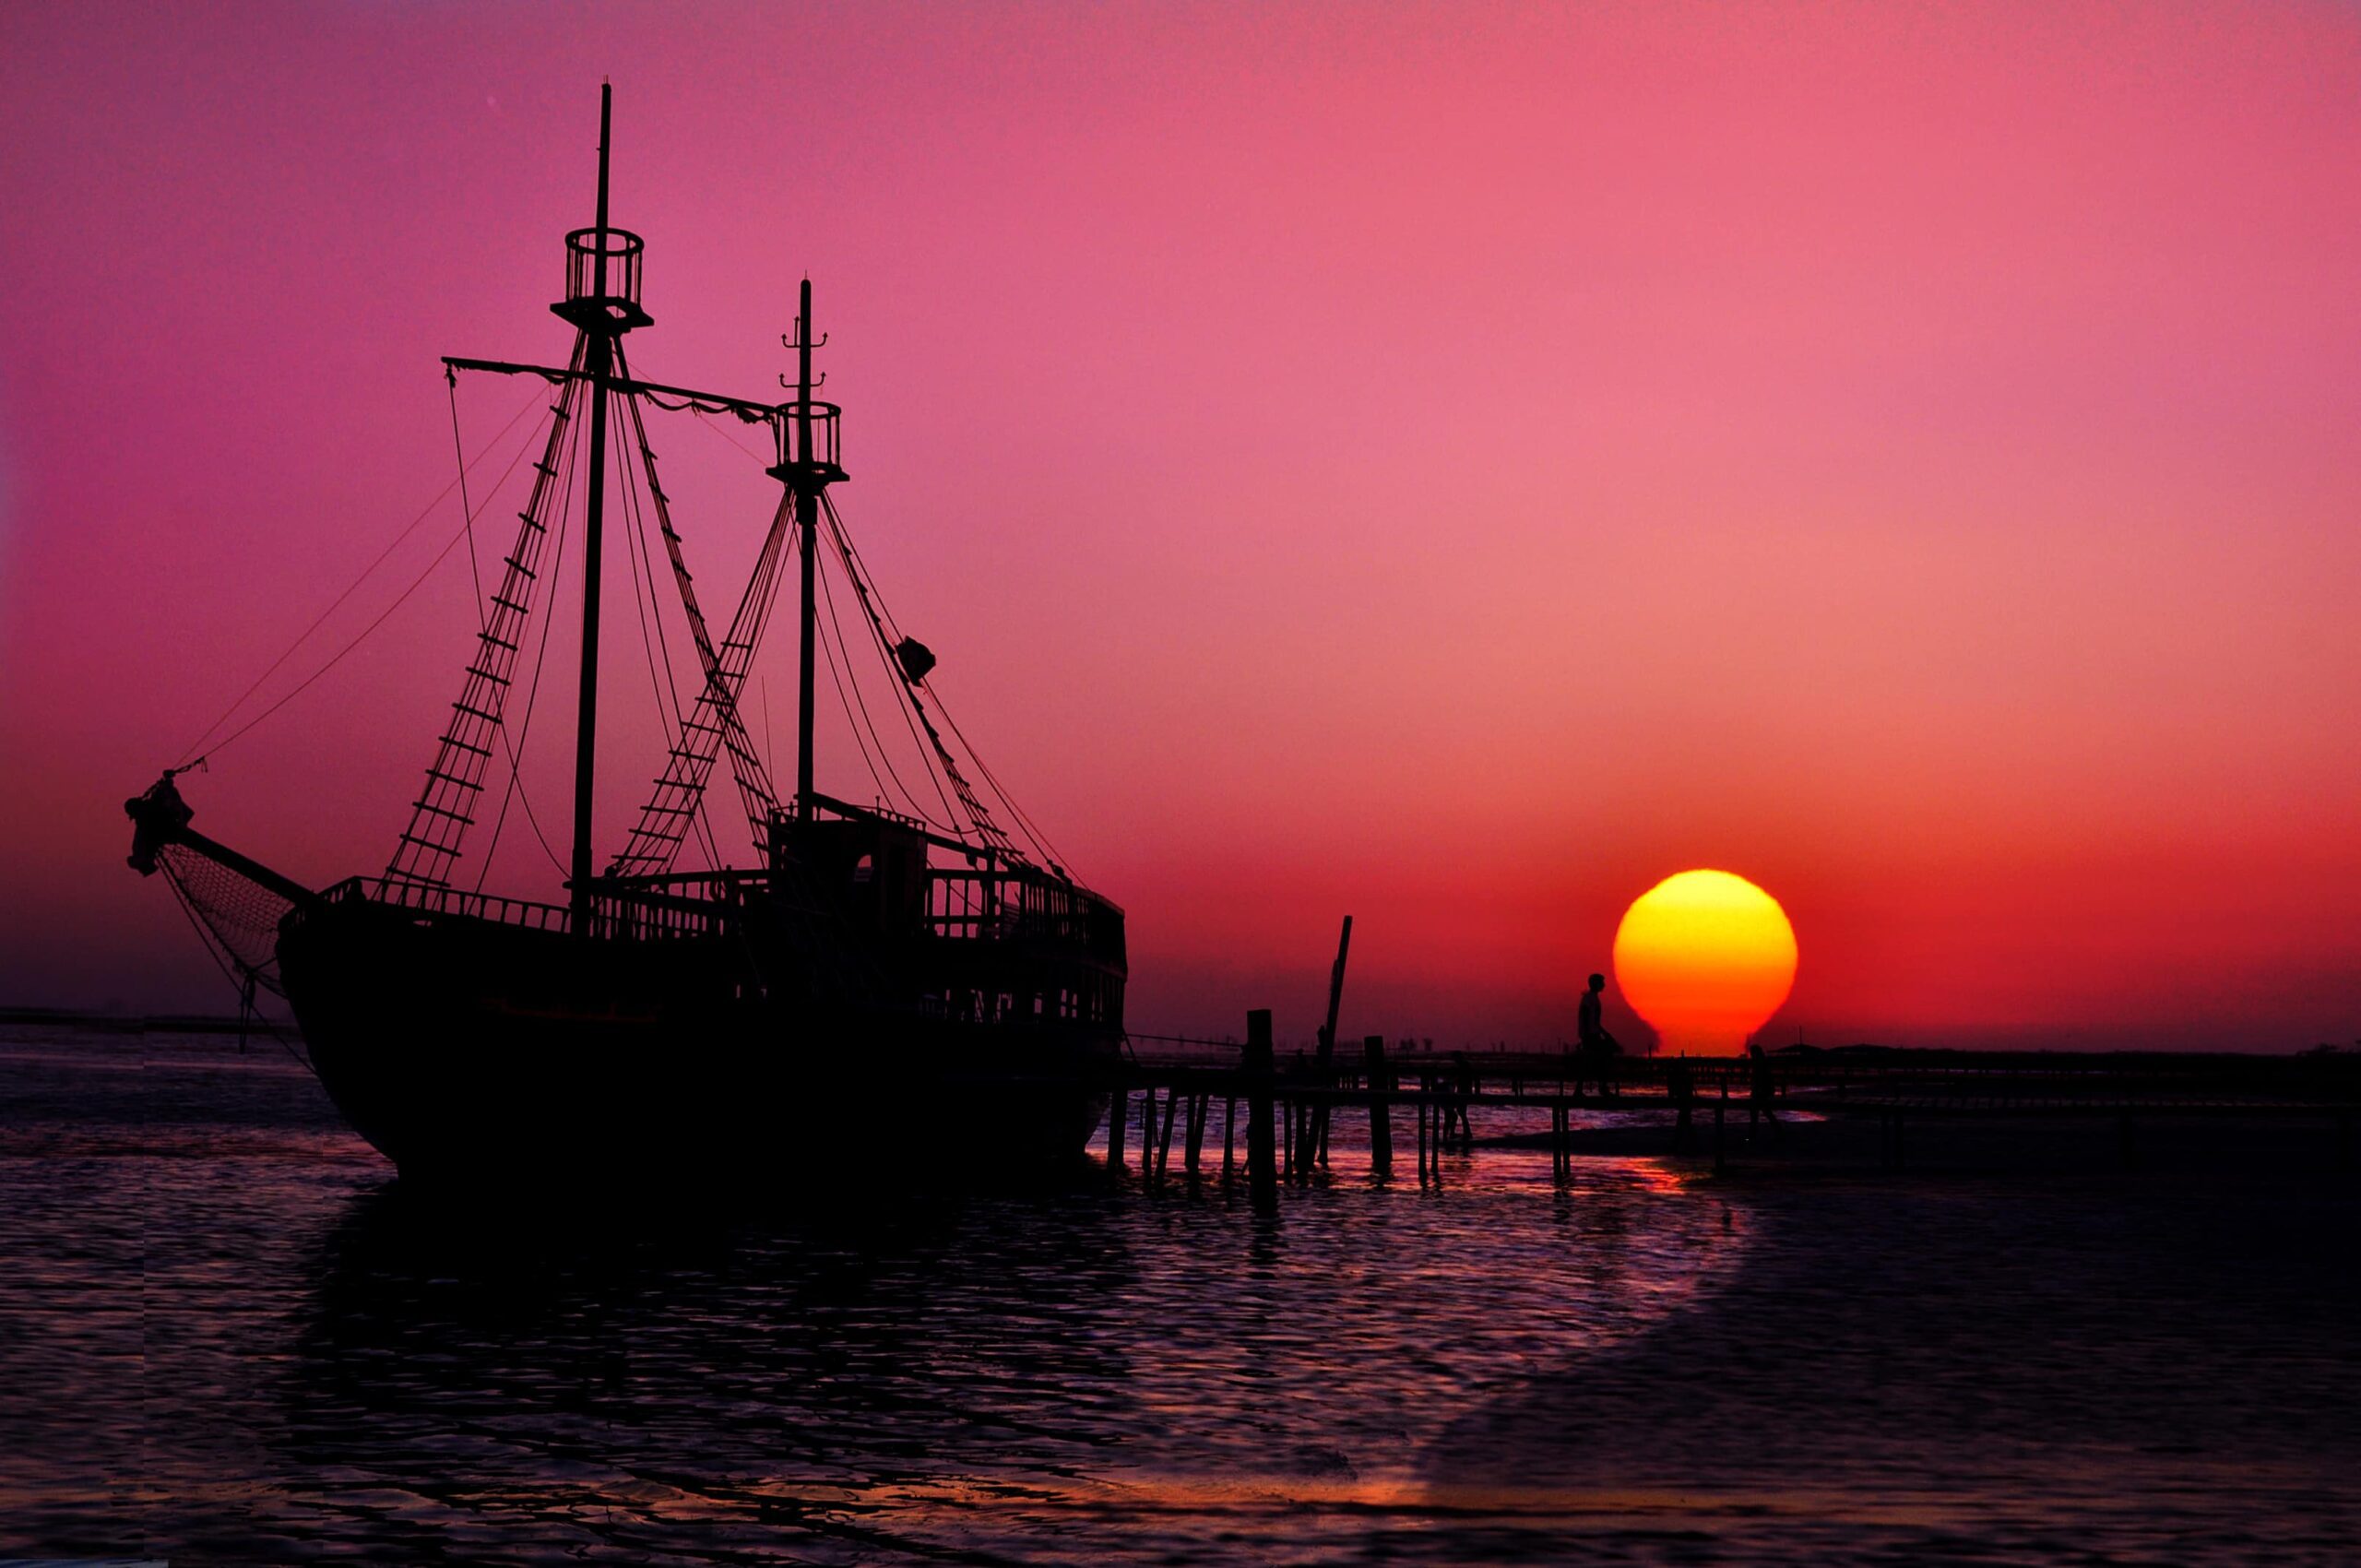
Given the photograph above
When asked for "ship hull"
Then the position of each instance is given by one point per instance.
(473, 1053)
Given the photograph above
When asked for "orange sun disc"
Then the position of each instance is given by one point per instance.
(1705, 957)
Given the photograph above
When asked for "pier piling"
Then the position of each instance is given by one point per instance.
(1164, 1140)
(2131, 1097)
(1261, 1170)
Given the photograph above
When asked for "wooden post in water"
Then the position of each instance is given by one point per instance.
(1164, 1142)
(1434, 1122)
(1196, 1135)
(1381, 1110)
(1148, 1134)
(1117, 1112)
(1315, 1137)
(1229, 1137)
(1262, 1166)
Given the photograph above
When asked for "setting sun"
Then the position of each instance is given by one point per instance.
(1705, 957)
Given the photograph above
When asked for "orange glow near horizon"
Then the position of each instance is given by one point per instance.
(1705, 957)
(1902, 452)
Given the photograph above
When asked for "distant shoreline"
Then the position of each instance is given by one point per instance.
(229, 1023)
(127, 1023)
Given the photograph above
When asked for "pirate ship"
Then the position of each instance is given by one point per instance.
(938, 965)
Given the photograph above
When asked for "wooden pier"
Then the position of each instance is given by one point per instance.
(1679, 1106)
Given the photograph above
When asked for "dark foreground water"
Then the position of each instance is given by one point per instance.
(228, 1337)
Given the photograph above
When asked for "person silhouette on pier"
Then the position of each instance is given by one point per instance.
(1595, 1045)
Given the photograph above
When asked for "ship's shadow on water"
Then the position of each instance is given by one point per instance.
(531, 1379)
(1004, 1375)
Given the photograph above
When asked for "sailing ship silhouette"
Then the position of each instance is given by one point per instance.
(664, 1024)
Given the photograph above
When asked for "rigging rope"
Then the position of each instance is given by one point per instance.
(770, 753)
(451, 797)
(760, 461)
(979, 815)
(1032, 830)
(902, 708)
(848, 678)
(200, 750)
(1041, 840)
(304, 684)
(242, 978)
(841, 677)
(721, 684)
(889, 636)
(653, 646)
(721, 689)
(704, 412)
(467, 510)
(515, 789)
(642, 563)
(675, 806)
(483, 622)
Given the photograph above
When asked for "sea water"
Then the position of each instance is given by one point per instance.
(230, 1335)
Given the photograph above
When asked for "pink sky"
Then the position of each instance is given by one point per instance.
(1455, 465)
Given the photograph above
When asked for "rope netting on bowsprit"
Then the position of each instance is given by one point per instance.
(238, 917)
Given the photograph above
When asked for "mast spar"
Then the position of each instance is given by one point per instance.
(602, 332)
(806, 506)
(807, 466)
(602, 303)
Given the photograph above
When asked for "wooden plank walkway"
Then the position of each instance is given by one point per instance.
(1290, 1102)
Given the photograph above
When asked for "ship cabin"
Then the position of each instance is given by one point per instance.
(981, 936)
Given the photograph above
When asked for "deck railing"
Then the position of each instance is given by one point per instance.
(1018, 905)
(431, 900)
(635, 916)
(1022, 906)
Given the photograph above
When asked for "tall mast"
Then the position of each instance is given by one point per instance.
(603, 274)
(807, 465)
(602, 330)
(807, 507)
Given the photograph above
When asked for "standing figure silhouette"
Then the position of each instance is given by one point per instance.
(1596, 1046)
